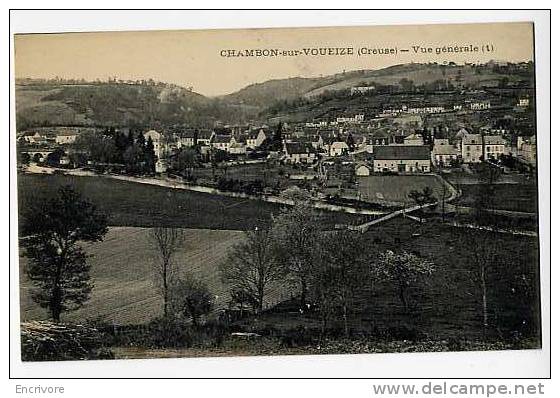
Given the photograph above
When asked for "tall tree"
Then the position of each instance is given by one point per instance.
(251, 266)
(150, 156)
(167, 242)
(296, 233)
(57, 264)
(339, 274)
(484, 258)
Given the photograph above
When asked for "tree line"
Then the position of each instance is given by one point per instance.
(131, 150)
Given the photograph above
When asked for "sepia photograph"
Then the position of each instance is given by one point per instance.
(279, 191)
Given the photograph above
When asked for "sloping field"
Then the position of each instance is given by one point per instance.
(395, 189)
(122, 271)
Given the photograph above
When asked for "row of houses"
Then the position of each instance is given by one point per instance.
(220, 139)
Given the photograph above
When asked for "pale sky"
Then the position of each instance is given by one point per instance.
(192, 58)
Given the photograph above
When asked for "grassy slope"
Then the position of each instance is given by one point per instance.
(132, 204)
(447, 305)
(514, 197)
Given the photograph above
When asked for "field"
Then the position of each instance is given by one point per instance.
(122, 271)
(513, 197)
(447, 305)
(141, 205)
(394, 189)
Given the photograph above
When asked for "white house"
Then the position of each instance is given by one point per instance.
(255, 138)
(443, 155)
(187, 138)
(402, 158)
(204, 137)
(237, 148)
(65, 138)
(477, 147)
(527, 149)
(223, 142)
(34, 138)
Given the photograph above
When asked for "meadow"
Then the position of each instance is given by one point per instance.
(394, 189)
(512, 197)
(132, 204)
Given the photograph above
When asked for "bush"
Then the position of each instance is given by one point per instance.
(168, 332)
(298, 337)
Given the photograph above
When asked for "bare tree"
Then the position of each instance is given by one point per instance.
(251, 266)
(484, 258)
(166, 241)
(338, 275)
(296, 233)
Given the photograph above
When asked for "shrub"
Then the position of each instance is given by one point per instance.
(168, 332)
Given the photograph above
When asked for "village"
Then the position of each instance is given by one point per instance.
(337, 160)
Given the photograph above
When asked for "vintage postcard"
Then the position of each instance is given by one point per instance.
(333, 190)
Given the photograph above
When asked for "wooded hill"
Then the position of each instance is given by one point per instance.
(117, 103)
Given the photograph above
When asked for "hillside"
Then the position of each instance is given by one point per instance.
(40, 103)
(119, 104)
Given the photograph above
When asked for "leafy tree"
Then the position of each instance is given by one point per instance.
(186, 161)
(166, 242)
(57, 264)
(53, 158)
(150, 156)
(251, 266)
(403, 269)
(134, 159)
(422, 198)
(23, 157)
(487, 176)
(191, 298)
(99, 147)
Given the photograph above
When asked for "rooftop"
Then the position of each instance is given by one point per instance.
(402, 152)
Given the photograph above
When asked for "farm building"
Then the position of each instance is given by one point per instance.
(402, 159)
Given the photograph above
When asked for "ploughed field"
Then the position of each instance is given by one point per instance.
(122, 269)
